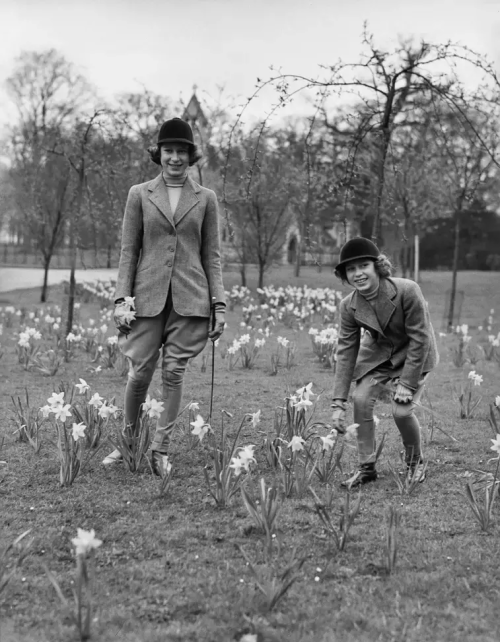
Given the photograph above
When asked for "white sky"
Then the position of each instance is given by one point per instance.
(169, 45)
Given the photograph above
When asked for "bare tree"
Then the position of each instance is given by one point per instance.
(387, 86)
(48, 94)
(466, 165)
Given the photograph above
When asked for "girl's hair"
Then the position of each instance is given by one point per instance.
(155, 154)
(383, 267)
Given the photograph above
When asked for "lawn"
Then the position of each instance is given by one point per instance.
(170, 567)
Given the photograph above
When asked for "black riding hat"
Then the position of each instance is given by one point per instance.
(357, 248)
(176, 130)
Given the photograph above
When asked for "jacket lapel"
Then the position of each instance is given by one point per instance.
(159, 196)
(364, 313)
(385, 305)
(187, 200)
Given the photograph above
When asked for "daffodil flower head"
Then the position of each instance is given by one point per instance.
(56, 399)
(78, 431)
(328, 442)
(85, 542)
(351, 431)
(96, 400)
(200, 428)
(496, 445)
(83, 386)
(62, 412)
(255, 418)
(305, 392)
(296, 443)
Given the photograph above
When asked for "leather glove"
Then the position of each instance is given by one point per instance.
(122, 317)
(338, 418)
(219, 325)
(403, 394)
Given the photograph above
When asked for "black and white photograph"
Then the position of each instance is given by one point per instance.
(249, 321)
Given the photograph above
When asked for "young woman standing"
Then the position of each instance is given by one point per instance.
(170, 262)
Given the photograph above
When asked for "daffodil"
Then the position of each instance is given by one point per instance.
(351, 431)
(194, 405)
(78, 431)
(153, 408)
(106, 411)
(497, 401)
(56, 399)
(200, 428)
(302, 404)
(237, 466)
(327, 443)
(496, 444)
(246, 454)
(96, 400)
(45, 410)
(85, 542)
(255, 418)
(296, 443)
(83, 386)
(62, 412)
(305, 392)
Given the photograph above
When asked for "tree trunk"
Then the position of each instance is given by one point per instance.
(108, 263)
(262, 268)
(72, 245)
(451, 311)
(243, 274)
(46, 266)
(298, 258)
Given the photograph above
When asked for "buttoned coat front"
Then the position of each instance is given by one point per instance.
(399, 332)
(162, 250)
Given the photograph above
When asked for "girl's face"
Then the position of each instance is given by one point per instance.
(361, 274)
(174, 159)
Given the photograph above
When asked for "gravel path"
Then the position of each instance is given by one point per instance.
(22, 278)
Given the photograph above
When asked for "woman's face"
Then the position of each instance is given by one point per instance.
(174, 159)
(361, 274)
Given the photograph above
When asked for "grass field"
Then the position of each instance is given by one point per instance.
(170, 567)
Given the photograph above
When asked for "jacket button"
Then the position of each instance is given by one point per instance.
(169, 264)
(170, 249)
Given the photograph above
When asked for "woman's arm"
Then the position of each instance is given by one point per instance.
(210, 250)
(131, 244)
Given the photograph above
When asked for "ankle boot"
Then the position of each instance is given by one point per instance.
(365, 474)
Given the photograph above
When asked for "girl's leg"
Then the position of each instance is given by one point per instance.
(184, 338)
(142, 350)
(409, 427)
(364, 397)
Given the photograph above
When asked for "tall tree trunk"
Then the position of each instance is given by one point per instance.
(262, 268)
(456, 249)
(75, 213)
(243, 274)
(298, 258)
(108, 263)
(46, 266)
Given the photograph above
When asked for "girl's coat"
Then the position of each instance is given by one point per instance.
(399, 332)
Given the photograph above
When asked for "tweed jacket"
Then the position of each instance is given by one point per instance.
(160, 250)
(399, 332)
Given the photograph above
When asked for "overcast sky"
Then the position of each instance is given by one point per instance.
(169, 45)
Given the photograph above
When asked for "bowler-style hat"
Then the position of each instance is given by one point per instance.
(357, 248)
(176, 130)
